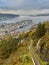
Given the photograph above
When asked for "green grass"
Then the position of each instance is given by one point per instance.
(29, 62)
(20, 53)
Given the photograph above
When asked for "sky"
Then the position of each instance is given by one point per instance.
(24, 6)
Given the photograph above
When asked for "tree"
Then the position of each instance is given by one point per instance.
(40, 31)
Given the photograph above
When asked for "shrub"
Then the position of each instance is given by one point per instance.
(8, 47)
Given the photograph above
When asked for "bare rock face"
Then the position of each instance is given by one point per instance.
(44, 53)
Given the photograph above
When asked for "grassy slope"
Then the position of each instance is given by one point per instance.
(16, 58)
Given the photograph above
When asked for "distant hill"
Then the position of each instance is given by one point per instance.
(4, 17)
(45, 14)
(8, 15)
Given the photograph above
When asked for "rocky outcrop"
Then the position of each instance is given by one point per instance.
(44, 53)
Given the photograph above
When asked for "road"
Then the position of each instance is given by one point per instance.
(33, 55)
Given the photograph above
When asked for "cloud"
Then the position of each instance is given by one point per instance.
(25, 12)
(11, 4)
(24, 4)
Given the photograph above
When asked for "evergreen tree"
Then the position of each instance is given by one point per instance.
(40, 31)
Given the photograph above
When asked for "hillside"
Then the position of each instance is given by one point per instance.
(23, 50)
(4, 17)
(42, 46)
